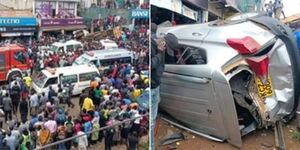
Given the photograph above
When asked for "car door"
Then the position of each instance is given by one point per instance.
(73, 80)
(188, 92)
(85, 80)
(52, 81)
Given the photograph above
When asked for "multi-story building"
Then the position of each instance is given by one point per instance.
(190, 11)
(16, 23)
(58, 15)
(17, 4)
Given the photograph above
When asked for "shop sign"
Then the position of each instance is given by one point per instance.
(140, 13)
(62, 22)
(177, 6)
(19, 29)
(188, 12)
(12, 21)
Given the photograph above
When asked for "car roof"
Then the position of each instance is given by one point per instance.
(70, 42)
(11, 47)
(107, 41)
(99, 53)
(109, 51)
(70, 70)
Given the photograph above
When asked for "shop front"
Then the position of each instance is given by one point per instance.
(177, 11)
(18, 27)
(58, 16)
(61, 25)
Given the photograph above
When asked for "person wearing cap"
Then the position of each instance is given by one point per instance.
(158, 48)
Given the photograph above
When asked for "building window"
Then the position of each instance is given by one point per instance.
(66, 9)
(45, 9)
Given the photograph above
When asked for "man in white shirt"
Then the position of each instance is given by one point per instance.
(82, 140)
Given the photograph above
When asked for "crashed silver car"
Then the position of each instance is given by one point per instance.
(231, 77)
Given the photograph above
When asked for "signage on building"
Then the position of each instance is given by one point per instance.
(177, 6)
(19, 29)
(11, 21)
(140, 13)
(62, 22)
(16, 13)
(188, 12)
(17, 34)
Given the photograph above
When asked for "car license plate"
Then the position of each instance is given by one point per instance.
(265, 89)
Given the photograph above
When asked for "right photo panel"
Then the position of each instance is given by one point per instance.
(225, 75)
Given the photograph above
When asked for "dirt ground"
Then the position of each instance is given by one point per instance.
(143, 141)
(258, 140)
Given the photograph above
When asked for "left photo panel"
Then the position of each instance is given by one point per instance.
(74, 74)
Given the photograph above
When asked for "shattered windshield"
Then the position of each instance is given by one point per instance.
(40, 79)
(81, 60)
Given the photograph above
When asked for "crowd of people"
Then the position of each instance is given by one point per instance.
(34, 120)
(108, 23)
(115, 4)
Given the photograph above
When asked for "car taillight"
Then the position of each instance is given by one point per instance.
(259, 65)
(244, 46)
(247, 46)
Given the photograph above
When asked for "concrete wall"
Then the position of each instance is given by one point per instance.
(18, 4)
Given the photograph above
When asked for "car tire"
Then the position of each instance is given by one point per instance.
(13, 75)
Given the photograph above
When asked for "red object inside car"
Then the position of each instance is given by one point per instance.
(246, 45)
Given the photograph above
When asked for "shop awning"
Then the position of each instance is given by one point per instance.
(66, 28)
(15, 34)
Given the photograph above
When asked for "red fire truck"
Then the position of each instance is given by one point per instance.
(13, 61)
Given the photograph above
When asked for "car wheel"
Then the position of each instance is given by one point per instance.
(13, 75)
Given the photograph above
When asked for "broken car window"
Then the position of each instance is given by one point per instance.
(187, 55)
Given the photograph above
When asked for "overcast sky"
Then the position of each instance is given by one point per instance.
(290, 7)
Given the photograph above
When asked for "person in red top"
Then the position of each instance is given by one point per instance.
(77, 126)
(55, 59)
(174, 23)
(31, 64)
(46, 62)
(75, 56)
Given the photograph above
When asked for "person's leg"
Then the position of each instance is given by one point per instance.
(110, 141)
(106, 143)
(155, 98)
(10, 115)
(14, 106)
(22, 115)
(6, 115)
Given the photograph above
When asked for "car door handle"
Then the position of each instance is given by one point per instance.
(197, 34)
(201, 80)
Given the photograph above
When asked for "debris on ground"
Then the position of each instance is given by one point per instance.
(169, 139)
(296, 135)
(267, 145)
